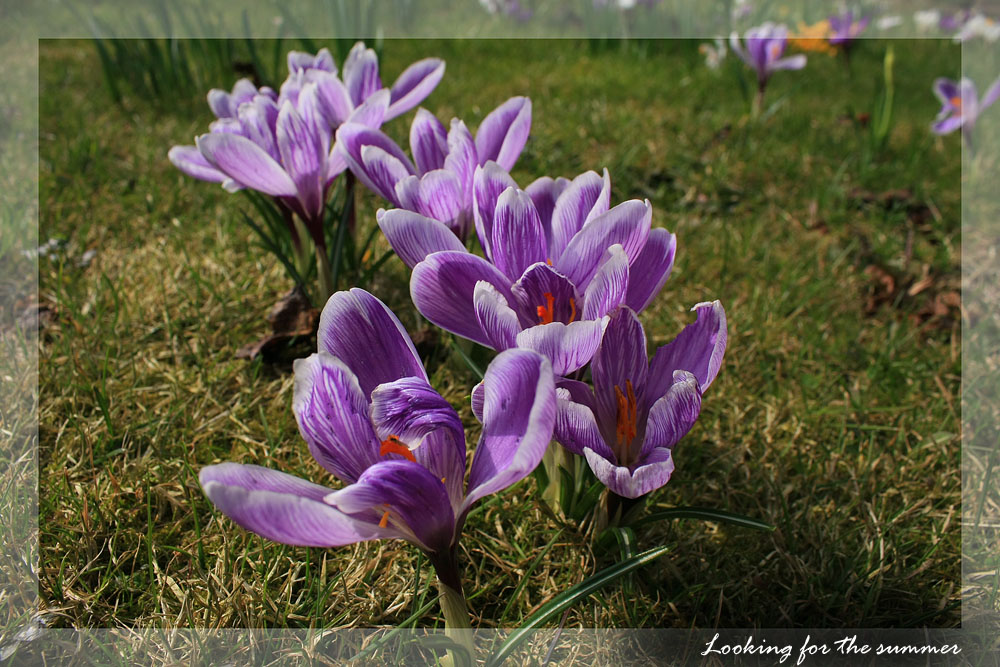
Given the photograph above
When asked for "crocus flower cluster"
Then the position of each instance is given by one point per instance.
(439, 184)
(961, 106)
(845, 29)
(558, 261)
(370, 417)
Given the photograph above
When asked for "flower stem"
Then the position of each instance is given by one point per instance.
(456, 611)
(326, 285)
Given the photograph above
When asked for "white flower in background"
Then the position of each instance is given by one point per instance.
(714, 54)
(741, 9)
(889, 22)
(927, 19)
(979, 26)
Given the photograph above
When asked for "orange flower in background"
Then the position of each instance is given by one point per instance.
(813, 37)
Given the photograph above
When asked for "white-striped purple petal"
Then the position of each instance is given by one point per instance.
(462, 158)
(569, 347)
(246, 162)
(698, 349)
(518, 240)
(374, 158)
(368, 337)
(436, 195)
(544, 192)
(190, 161)
(496, 318)
(361, 73)
(673, 415)
(428, 141)
(648, 476)
(503, 133)
(442, 288)
(519, 411)
(414, 85)
(620, 360)
(650, 270)
(607, 289)
(576, 427)
(303, 157)
(489, 181)
(587, 196)
(414, 236)
(626, 224)
(334, 101)
(332, 414)
(281, 507)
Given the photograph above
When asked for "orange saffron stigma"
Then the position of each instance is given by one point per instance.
(572, 312)
(956, 102)
(627, 414)
(545, 312)
(384, 521)
(548, 260)
(392, 445)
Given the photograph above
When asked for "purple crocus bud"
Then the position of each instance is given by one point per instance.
(298, 60)
(438, 184)
(960, 105)
(627, 426)
(765, 44)
(365, 409)
(559, 260)
(226, 105)
(844, 29)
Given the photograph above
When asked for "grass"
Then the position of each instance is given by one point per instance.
(835, 416)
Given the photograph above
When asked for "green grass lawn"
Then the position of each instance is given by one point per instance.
(836, 416)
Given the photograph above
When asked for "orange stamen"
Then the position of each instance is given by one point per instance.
(384, 521)
(956, 102)
(627, 414)
(392, 445)
(572, 306)
(548, 260)
(545, 312)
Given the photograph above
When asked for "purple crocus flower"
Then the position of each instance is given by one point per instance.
(765, 44)
(438, 183)
(557, 262)
(961, 105)
(627, 426)
(369, 416)
(844, 29)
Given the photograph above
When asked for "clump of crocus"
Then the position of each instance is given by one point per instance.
(282, 145)
(558, 260)
(961, 106)
(627, 426)
(439, 185)
(765, 46)
(370, 417)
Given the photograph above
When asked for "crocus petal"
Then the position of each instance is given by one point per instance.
(436, 195)
(477, 399)
(220, 102)
(462, 159)
(414, 236)
(280, 507)
(246, 162)
(576, 427)
(303, 158)
(544, 192)
(698, 349)
(361, 73)
(489, 181)
(587, 196)
(568, 346)
(332, 414)
(651, 268)
(374, 158)
(650, 475)
(621, 359)
(323, 60)
(368, 337)
(334, 101)
(428, 141)
(190, 161)
(518, 241)
(606, 290)
(410, 493)
(626, 224)
(673, 415)
(949, 124)
(504, 131)
(413, 85)
(946, 90)
(791, 62)
(411, 410)
(990, 96)
(540, 283)
(496, 318)
(442, 288)
(371, 112)
(519, 412)
(259, 119)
